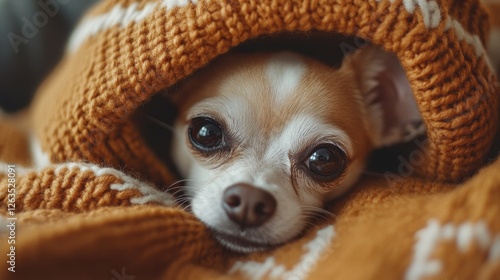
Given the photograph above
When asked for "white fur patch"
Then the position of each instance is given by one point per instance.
(207, 192)
(284, 72)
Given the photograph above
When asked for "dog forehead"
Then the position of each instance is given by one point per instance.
(284, 73)
(279, 86)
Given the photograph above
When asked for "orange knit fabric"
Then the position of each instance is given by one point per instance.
(101, 83)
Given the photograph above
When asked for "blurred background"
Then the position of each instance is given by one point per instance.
(33, 35)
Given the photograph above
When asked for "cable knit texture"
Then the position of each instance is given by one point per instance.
(88, 203)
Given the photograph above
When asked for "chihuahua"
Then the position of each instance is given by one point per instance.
(264, 140)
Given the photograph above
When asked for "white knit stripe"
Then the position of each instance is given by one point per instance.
(429, 9)
(464, 236)
(427, 240)
(39, 158)
(118, 16)
(170, 4)
(124, 16)
(149, 192)
(313, 251)
(472, 40)
(432, 18)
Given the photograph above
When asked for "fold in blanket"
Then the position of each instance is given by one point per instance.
(84, 199)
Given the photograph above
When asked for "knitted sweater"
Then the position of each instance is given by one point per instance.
(80, 187)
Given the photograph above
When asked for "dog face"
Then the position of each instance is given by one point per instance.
(265, 139)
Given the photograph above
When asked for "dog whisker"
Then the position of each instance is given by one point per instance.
(316, 210)
(158, 122)
(184, 197)
(180, 190)
(176, 186)
(184, 205)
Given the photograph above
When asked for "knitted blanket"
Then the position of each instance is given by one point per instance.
(81, 192)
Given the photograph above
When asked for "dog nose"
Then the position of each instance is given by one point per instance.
(247, 205)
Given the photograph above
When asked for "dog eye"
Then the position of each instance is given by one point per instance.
(326, 161)
(205, 133)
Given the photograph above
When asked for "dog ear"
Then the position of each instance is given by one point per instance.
(387, 96)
